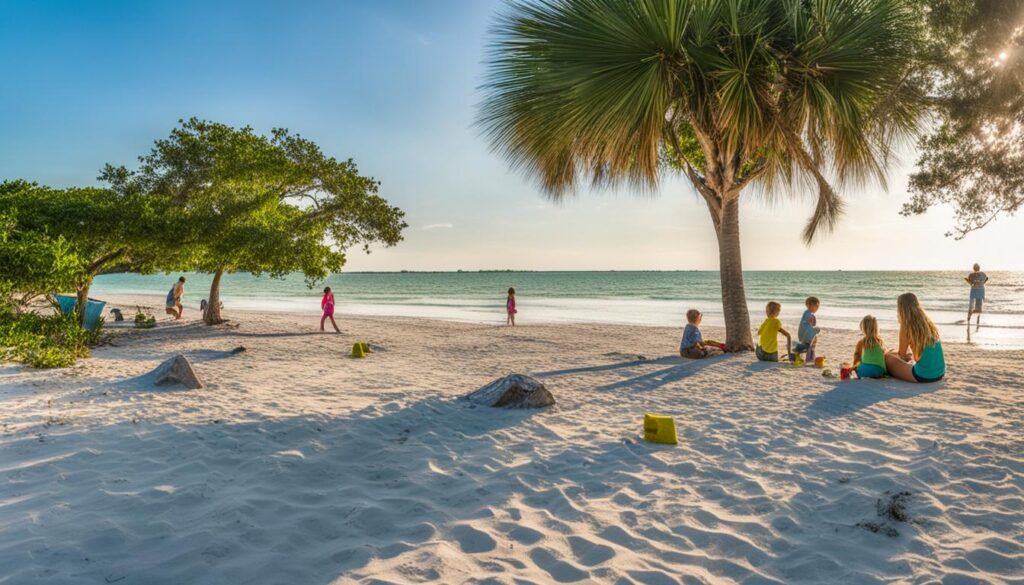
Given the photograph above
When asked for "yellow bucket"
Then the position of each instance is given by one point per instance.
(660, 429)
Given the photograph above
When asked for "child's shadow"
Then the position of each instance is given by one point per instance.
(854, 395)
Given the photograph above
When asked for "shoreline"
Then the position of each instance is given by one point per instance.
(155, 303)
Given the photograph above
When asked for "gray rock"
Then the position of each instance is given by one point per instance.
(177, 370)
(513, 391)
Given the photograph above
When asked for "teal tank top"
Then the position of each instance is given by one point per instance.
(932, 364)
(873, 356)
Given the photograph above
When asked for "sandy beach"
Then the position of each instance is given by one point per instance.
(298, 464)
(528, 201)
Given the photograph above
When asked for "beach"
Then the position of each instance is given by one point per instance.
(298, 464)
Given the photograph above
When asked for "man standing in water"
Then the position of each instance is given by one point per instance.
(174, 298)
(977, 280)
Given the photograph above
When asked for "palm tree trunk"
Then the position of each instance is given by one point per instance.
(730, 266)
(212, 315)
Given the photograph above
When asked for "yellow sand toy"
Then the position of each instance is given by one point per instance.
(660, 429)
(360, 349)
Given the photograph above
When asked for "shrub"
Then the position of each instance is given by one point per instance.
(54, 341)
(144, 321)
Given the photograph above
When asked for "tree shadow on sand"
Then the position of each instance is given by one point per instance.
(200, 329)
(669, 359)
(146, 381)
(312, 499)
(653, 380)
(850, 396)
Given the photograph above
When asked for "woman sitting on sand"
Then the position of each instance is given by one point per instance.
(919, 358)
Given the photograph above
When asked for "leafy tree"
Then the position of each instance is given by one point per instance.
(974, 157)
(106, 230)
(775, 94)
(32, 263)
(262, 204)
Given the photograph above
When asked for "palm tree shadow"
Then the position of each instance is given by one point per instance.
(606, 367)
(657, 379)
(855, 395)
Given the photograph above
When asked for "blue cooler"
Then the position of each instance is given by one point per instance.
(93, 309)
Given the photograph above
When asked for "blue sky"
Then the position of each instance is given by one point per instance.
(393, 85)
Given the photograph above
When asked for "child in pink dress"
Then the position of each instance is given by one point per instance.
(510, 307)
(327, 304)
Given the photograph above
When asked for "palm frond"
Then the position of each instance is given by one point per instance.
(581, 88)
(804, 91)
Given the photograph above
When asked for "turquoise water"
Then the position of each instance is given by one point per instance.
(641, 298)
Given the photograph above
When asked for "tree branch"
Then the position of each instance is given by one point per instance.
(977, 226)
(102, 260)
(750, 176)
(713, 200)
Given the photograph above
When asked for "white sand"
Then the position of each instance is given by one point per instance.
(297, 464)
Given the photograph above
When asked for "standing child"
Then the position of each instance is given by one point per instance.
(869, 355)
(327, 304)
(510, 308)
(768, 334)
(807, 333)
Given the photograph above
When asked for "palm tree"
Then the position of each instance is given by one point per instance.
(740, 95)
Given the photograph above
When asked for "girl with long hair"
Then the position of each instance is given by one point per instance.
(919, 357)
(869, 355)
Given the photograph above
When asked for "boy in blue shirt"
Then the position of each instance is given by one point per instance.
(693, 345)
(807, 334)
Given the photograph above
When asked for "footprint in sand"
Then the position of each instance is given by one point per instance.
(654, 578)
(524, 535)
(590, 553)
(560, 571)
(472, 540)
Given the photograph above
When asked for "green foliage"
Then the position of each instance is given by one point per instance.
(54, 341)
(737, 91)
(34, 261)
(262, 204)
(144, 321)
(974, 158)
(94, 230)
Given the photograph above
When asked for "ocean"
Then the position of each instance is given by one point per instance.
(636, 298)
